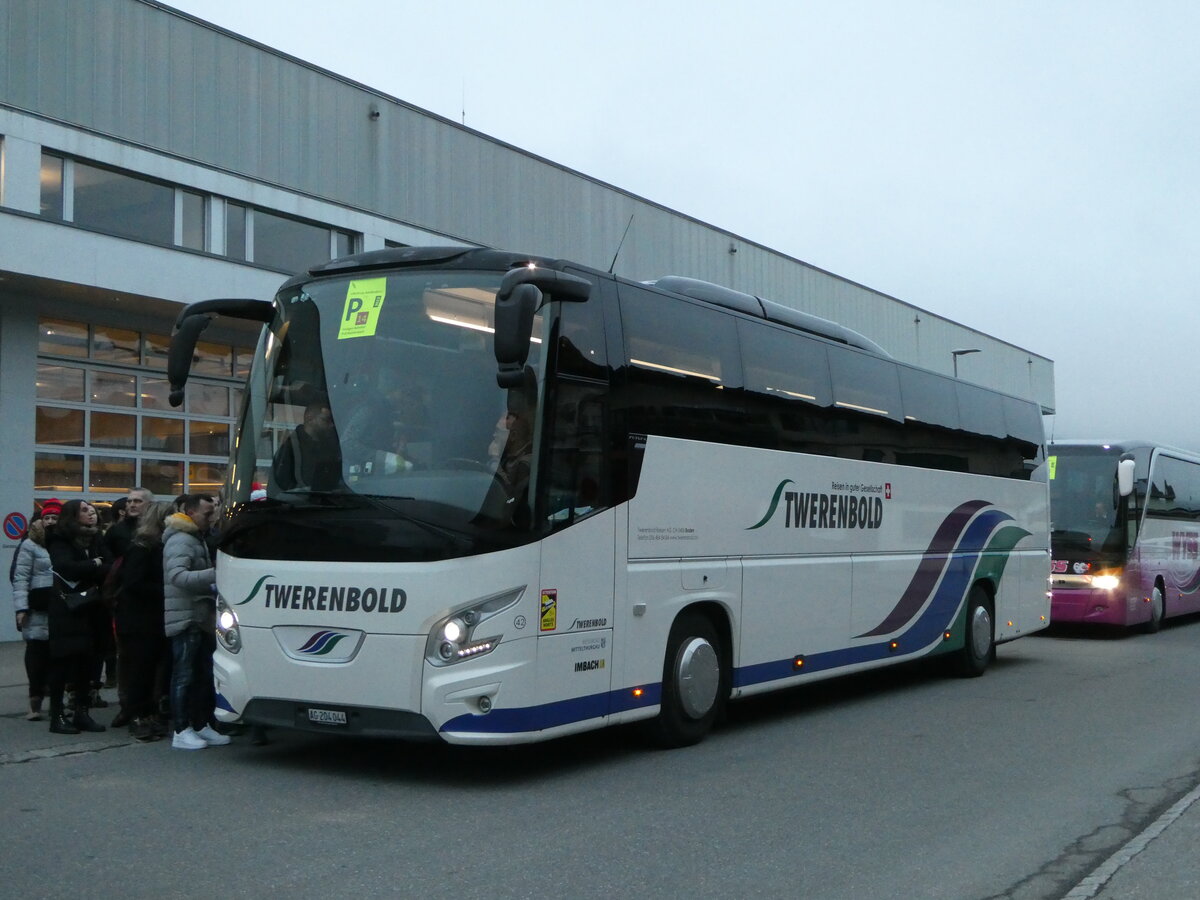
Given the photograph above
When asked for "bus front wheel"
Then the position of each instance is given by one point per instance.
(695, 682)
(980, 646)
(1158, 609)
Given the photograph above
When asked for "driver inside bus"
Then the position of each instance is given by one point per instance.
(310, 457)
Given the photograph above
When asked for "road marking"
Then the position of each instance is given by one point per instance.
(1101, 875)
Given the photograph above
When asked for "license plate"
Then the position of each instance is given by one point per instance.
(327, 716)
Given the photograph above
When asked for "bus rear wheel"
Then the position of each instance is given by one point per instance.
(695, 682)
(979, 648)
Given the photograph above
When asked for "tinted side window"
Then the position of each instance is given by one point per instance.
(1024, 421)
(683, 374)
(981, 411)
(929, 398)
(865, 383)
(788, 392)
(1174, 489)
(579, 339)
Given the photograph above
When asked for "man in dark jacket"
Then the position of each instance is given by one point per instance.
(118, 538)
(310, 457)
(116, 542)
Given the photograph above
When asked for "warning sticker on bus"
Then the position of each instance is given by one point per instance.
(364, 300)
(549, 610)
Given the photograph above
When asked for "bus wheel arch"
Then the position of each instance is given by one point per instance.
(1158, 607)
(979, 643)
(696, 676)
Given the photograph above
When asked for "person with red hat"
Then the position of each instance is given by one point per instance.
(32, 577)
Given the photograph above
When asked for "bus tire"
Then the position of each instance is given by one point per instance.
(1158, 611)
(695, 682)
(979, 646)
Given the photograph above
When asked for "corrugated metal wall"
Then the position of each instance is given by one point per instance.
(144, 73)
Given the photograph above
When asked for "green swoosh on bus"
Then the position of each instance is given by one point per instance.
(774, 503)
(999, 549)
(254, 591)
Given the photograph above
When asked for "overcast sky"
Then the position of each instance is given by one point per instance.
(1025, 168)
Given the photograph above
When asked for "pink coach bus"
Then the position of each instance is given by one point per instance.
(1125, 533)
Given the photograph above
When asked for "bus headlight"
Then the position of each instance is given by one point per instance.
(229, 635)
(461, 634)
(1106, 582)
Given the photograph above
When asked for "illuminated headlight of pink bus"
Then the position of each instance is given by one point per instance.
(1106, 582)
(228, 634)
(463, 635)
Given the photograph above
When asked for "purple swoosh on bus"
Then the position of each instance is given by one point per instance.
(929, 570)
(1192, 584)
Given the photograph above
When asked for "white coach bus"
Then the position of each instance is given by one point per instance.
(496, 499)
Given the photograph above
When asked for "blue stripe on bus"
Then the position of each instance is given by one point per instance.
(925, 632)
(551, 715)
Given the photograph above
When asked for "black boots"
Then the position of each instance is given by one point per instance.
(60, 724)
(84, 722)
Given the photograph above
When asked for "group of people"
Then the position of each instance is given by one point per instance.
(149, 579)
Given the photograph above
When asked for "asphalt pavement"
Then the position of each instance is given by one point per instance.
(1159, 862)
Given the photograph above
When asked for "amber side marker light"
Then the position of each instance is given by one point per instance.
(637, 692)
(894, 646)
(946, 636)
(1010, 624)
(798, 663)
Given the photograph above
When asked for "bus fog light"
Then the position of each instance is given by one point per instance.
(485, 704)
(1106, 582)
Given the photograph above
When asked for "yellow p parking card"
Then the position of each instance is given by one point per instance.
(364, 300)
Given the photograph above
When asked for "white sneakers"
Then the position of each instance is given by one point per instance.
(190, 739)
(212, 737)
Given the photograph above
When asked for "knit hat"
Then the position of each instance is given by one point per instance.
(52, 507)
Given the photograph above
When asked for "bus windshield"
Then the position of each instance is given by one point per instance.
(1084, 505)
(380, 393)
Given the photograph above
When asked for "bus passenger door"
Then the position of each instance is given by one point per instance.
(574, 656)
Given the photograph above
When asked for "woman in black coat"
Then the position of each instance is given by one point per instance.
(140, 621)
(80, 565)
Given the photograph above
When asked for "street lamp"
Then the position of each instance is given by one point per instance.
(955, 354)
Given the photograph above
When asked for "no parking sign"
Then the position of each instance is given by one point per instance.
(14, 525)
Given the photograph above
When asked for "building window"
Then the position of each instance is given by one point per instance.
(235, 231)
(191, 226)
(121, 204)
(288, 244)
(52, 186)
(103, 421)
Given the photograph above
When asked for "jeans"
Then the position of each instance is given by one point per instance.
(193, 696)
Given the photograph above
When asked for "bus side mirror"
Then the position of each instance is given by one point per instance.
(1125, 477)
(514, 328)
(192, 320)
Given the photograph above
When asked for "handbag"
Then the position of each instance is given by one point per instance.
(77, 600)
(74, 597)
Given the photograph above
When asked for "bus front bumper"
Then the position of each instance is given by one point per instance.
(1089, 606)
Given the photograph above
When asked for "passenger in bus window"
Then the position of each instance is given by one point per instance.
(309, 457)
(513, 467)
